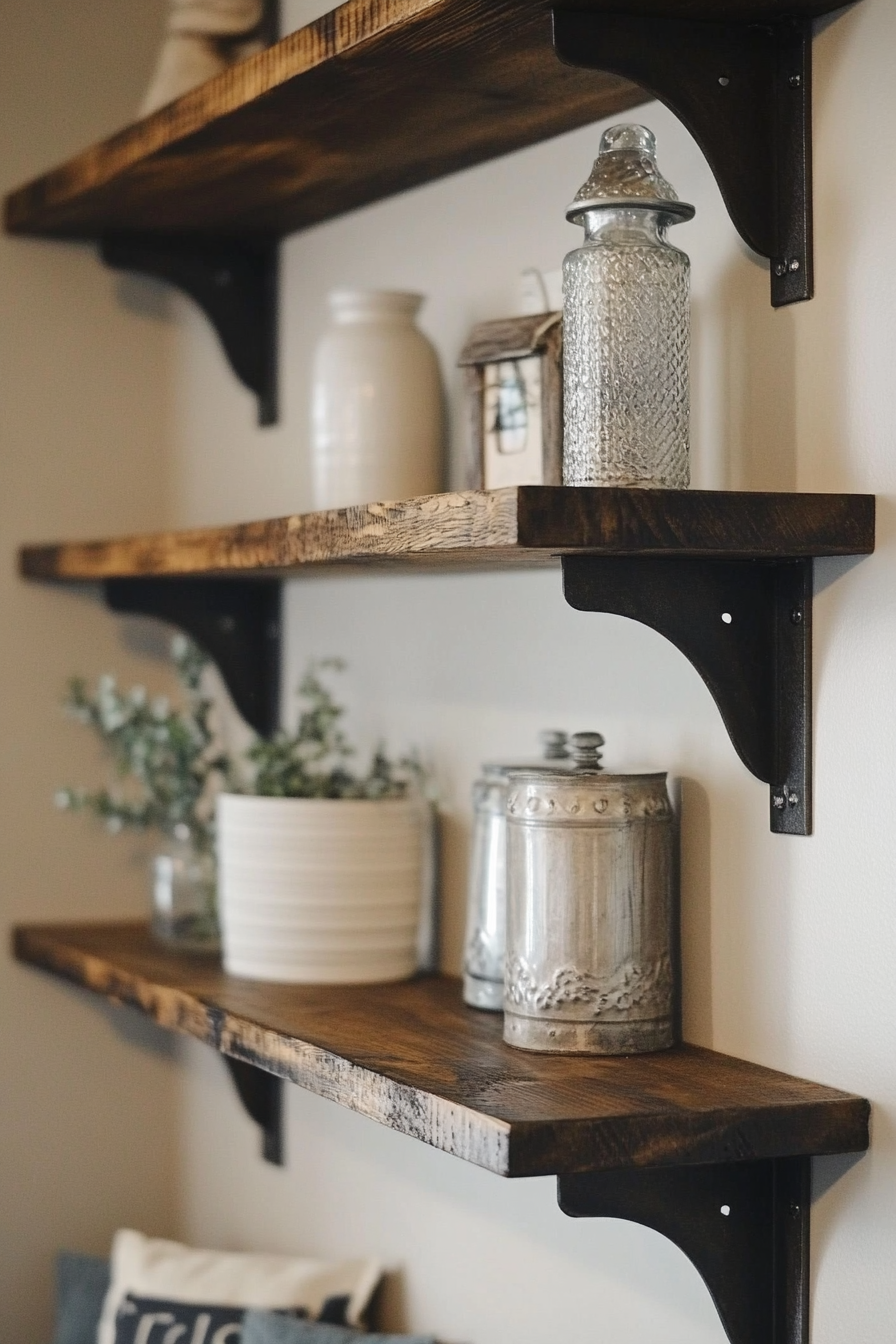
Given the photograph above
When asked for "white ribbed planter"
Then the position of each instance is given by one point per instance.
(321, 891)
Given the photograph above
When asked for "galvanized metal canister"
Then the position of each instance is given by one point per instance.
(592, 964)
(484, 944)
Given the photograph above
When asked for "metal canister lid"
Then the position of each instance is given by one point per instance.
(555, 744)
(582, 757)
(586, 792)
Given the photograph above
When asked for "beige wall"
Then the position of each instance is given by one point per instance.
(87, 1098)
(788, 943)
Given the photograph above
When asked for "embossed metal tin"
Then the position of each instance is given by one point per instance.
(484, 945)
(591, 962)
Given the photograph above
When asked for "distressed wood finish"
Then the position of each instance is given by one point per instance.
(485, 529)
(413, 1057)
(373, 98)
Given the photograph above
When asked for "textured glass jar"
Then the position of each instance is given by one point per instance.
(592, 946)
(184, 898)
(626, 325)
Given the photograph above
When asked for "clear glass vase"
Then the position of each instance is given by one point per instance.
(184, 898)
(626, 325)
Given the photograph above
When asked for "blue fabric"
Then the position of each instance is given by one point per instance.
(262, 1327)
(82, 1282)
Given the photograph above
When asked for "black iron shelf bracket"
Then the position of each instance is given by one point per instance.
(234, 282)
(746, 626)
(743, 1225)
(744, 91)
(261, 1094)
(237, 623)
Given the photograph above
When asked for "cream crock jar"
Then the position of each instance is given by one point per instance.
(376, 403)
(592, 964)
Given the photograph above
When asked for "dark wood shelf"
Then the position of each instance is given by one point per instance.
(375, 97)
(365, 102)
(371, 99)
(526, 525)
(681, 561)
(413, 1057)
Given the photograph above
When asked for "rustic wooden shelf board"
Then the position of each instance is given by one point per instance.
(365, 102)
(373, 98)
(413, 1057)
(526, 525)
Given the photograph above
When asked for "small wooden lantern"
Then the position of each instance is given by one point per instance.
(514, 378)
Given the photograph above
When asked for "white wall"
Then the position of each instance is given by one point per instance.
(788, 943)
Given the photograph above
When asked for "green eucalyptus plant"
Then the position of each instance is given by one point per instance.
(171, 765)
(167, 759)
(312, 761)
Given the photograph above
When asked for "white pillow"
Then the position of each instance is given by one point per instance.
(149, 1267)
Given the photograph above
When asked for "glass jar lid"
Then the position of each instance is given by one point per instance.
(625, 175)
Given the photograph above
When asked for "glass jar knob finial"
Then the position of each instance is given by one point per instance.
(628, 136)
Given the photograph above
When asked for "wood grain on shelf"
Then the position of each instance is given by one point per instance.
(373, 98)
(413, 1057)
(485, 529)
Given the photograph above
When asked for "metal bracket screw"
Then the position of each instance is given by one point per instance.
(788, 264)
(796, 617)
(795, 81)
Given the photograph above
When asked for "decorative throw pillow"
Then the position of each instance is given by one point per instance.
(265, 1327)
(82, 1282)
(166, 1272)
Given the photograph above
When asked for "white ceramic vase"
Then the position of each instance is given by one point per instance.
(376, 403)
(322, 891)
